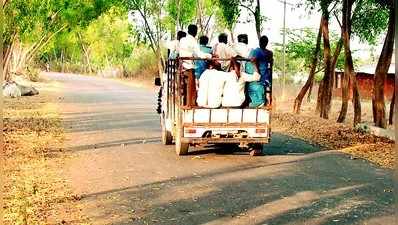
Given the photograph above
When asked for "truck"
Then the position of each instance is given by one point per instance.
(185, 126)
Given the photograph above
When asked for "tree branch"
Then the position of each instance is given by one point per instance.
(248, 8)
(338, 20)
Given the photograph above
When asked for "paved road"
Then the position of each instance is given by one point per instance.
(125, 175)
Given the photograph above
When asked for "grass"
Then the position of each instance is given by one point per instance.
(34, 189)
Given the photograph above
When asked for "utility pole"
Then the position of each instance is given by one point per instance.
(284, 47)
(284, 51)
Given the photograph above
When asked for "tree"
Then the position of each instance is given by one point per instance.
(330, 62)
(366, 21)
(349, 73)
(107, 38)
(254, 8)
(32, 24)
(392, 104)
(313, 66)
(180, 13)
(229, 13)
(205, 12)
(378, 102)
(150, 23)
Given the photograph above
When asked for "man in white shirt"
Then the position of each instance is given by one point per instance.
(223, 51)
(174, 46)
(241, 48)
(189, 47)
(218, 88)
(234, 88)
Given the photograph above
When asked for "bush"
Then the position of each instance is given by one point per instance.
(142, 65)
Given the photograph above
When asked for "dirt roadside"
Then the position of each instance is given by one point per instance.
(35, 191)
(335, 136)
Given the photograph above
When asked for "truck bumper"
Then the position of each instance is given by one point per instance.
(226, 140)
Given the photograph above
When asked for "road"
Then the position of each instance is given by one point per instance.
(126, 176)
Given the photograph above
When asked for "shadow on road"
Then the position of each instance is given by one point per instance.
(280, 145)
(317, 188)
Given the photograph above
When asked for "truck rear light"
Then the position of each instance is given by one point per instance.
(261, 131)
(190, 131)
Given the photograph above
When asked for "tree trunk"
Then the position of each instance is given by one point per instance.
(7, 57)
(257, 18)
(85, 52)
(349, 73)
(318, 100)
(392, 104)
(378, 102)
(326, 91)
(356, 98)
(310, 81)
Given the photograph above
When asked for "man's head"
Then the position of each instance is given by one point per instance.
(181, 34)
(243, 38)
(263, 42)
(203, 40)
(193, 30)
(223, 38)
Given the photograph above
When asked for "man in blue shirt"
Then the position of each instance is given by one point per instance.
(201, 65)
(263, 61)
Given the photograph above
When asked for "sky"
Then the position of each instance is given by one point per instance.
(273, 9)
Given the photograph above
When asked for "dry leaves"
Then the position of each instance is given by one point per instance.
(332, 135)
(33, 136)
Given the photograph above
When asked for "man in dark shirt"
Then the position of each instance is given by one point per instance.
(264, 60)
(201, 65)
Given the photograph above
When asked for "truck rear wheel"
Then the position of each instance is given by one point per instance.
(181, 148)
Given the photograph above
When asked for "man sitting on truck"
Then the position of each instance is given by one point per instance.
(241, 48)
(189, 47)
(223, 50)
(234, 87)
(201, 65)
(173, 46)
(264, 59)
(218, 88)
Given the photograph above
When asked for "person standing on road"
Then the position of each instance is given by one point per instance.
(189, 47)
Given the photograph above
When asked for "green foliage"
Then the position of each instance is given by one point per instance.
(229, 12)
(108, 38)
(301, 45)
(104, 42)
(369, 20)
(141, 64)
(180, 12)
(300, 50)
(325, 6)
(293, 65)
(148, 20)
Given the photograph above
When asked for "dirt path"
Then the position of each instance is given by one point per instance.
(125, 176)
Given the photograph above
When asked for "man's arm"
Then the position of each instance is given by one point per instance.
(198, 53)
(250, 78)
